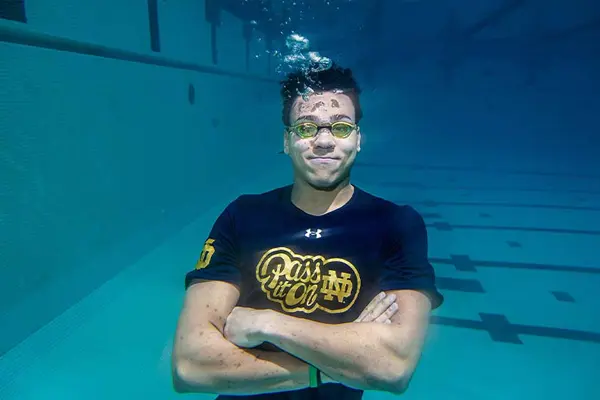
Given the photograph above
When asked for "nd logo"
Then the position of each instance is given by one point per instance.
(207, 252)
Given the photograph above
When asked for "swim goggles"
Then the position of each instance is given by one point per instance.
(339, 129)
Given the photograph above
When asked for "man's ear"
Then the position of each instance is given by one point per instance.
(286, 142)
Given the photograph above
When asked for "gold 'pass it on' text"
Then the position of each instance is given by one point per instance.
(307, 283)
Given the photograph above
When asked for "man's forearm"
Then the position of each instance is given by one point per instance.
(355, 354)
(226, 369)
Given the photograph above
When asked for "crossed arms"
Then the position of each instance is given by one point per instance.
(362, 355)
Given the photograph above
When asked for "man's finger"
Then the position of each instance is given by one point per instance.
(370, 306)
(380, 308)
(388, 313)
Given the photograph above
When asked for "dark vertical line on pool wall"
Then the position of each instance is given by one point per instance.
(247, 33)
(13, 10)
(153, 19)
(212, 15)
(269, 30)
(269, 45)
(213, 44)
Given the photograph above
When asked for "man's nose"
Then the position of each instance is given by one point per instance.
(324, 138)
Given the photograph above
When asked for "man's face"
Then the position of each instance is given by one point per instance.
(322, 161)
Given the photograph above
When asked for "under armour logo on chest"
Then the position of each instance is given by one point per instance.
(315, 234)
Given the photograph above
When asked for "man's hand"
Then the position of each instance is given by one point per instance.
(243, 327)
(381, 309)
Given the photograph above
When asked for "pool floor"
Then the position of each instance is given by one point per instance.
(520, 271)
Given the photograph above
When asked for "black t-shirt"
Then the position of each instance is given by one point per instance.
(323, 268)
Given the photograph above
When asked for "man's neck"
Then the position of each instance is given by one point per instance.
(320, 202)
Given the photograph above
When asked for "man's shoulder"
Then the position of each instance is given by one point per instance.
(388, 208)
(262, 199)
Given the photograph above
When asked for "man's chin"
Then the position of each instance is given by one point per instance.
(325, 185)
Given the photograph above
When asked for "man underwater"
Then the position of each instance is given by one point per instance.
(316, 290)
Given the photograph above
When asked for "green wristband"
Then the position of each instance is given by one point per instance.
(312, 376)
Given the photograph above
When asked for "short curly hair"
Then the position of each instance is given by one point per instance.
(334, 78)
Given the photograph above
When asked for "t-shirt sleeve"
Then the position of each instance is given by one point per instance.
(218, 260)
(407, 265)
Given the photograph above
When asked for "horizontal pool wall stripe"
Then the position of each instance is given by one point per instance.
(17, 34)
